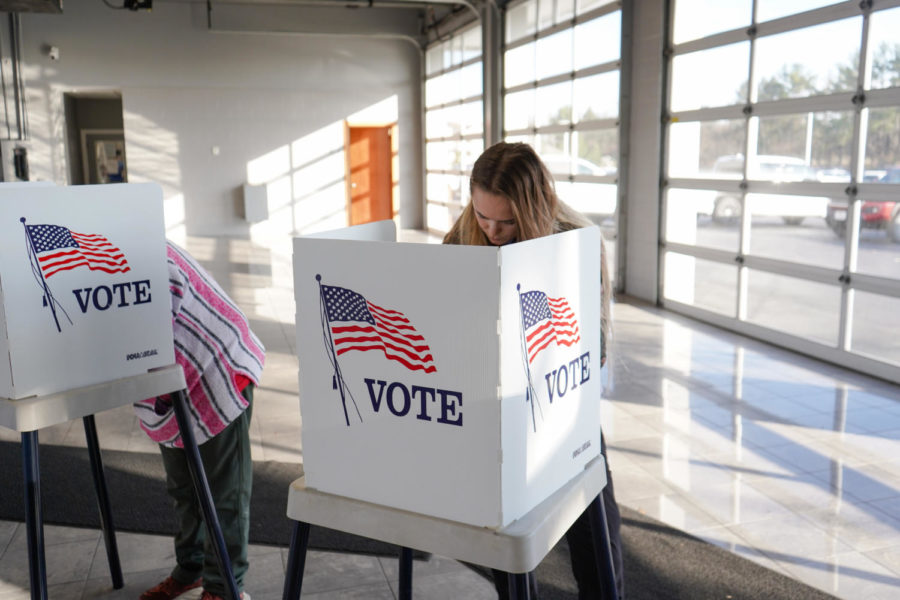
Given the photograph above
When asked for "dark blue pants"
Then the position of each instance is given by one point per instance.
(581, 549)
(229, 471)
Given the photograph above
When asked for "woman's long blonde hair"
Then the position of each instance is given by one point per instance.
(515, 172)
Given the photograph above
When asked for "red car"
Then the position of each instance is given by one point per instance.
(872, 215)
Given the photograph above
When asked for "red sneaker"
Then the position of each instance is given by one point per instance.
(168, 588)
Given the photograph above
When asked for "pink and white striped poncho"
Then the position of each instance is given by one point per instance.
(214, 346)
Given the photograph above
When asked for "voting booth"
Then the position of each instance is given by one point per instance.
(84, 293)
(458, 382)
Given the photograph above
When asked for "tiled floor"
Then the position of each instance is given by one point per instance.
(789, 462)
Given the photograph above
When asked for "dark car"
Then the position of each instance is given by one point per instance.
(872, 215)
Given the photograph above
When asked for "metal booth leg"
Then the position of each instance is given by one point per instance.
(405, 585)
(106, 520)
(602, 549)
(34, 517)
(293, 578)
(519, 586)
(201, 486)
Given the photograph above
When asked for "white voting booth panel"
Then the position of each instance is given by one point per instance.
(84, 293)
(459, 382)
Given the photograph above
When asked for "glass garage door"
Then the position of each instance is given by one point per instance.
(453, 124)
(561, 73)
(781, 195)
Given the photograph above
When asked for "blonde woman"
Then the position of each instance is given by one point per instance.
(513, 199)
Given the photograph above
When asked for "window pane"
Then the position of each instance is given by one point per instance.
(598, 152)
(565, 9)
(597, 97)
(545, 14)
(446, 55)
(728, 166)
(470, 81)
(455, 50)
(524, 139)
(706, 148)
(695, 19)
(583, 6)
(554, 104)
(802, 308)
(440, 218)
(882, 143)
(701, 283)
(470, 150)
(556, 157)
(879, 236)
(715, 77)
(689, 220)
(884, 49)
(554, 54)
(521, 20)
(873, 316)
(444, 188)
(598, 41)
(518, 65)
(442, 88)
(442, 156)
(471, 43)
(774, 9)
(595, 200)
(433, 91)
(472, 117)
(550, 147)
(799, 147)
(454, 120)
(815, 60)
(518, 110)
(444, 122)
(792, 228)
(453, 155)
(433, 59)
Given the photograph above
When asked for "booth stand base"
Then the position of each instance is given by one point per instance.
(516, 549)
(28, 415)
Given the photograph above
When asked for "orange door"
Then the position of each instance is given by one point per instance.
(369, 155)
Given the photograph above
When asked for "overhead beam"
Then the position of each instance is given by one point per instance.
(36, 6)
(317, 19)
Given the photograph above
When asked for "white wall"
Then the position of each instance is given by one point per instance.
(186, 90)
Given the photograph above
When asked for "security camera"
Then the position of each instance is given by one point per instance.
(138, 4)
(53, 52)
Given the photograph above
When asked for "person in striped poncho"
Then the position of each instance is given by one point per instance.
(222, 361)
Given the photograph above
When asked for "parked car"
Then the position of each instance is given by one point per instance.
(562, 164)
(872, 215)
(593, 199)
(726, 206)
(833, 175)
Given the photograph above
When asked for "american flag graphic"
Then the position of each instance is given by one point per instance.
(58, 249)
(357, 324)
(547, 320)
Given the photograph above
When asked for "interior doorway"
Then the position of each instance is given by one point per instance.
(370, 156)
(95, 135)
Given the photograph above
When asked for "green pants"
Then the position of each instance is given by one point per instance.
(229, 471)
